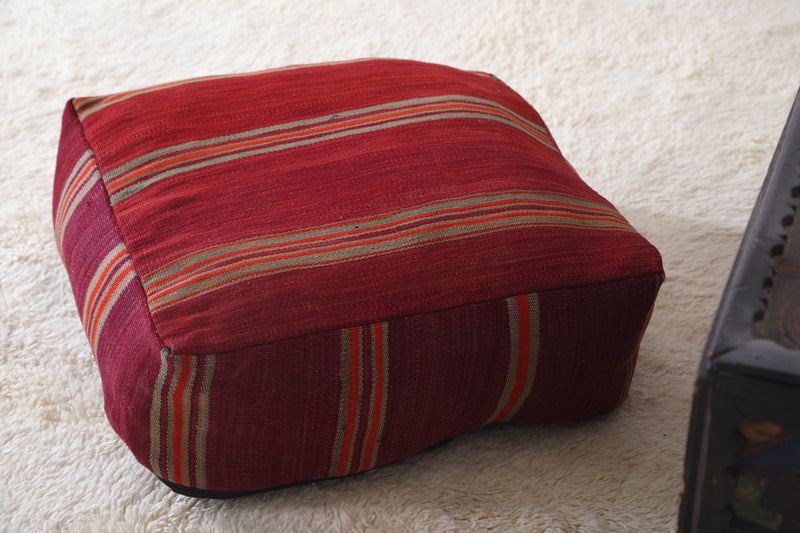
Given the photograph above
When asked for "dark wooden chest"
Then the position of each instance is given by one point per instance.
(742, 470)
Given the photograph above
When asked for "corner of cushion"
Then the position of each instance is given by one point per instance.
(137, 279)
(72, 109)
(72, 106)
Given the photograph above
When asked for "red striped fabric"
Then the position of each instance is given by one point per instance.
(362, 348)
(523, 321)
(319, 269)
(179, 418)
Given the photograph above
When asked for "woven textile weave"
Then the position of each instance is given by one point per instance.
(308, 272)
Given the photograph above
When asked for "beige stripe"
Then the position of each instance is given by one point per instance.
(117, 292)
(101, 102)
(120, 194)
(173, 384)
(203, 419)
(110, 288)
(89, 181)
(511, 372)
(76, 168)
(60, 220)
(111, 176)
(344, 400)
(155, 415)
(79, 174)
(384, 395)
(97, 279)
(103, 288)
(533, 354)
(186, 404)
(240, 270)
(81, 102)
(359, 399)
(364, 460)
(360, 227)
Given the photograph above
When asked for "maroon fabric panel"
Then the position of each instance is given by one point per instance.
(274, 407)
(447, 370)
(589, 343)
(128, 347)
(128, 363)
(273, 413)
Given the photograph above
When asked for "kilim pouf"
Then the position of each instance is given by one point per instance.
(308, 272)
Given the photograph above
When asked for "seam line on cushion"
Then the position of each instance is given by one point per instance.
(137, 277)
(659, 276)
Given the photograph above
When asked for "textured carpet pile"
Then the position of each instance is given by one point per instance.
(670, 110)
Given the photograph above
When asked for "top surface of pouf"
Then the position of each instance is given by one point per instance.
(312, 271)
(265, 206)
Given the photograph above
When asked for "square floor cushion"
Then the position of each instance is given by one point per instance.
(307, 272)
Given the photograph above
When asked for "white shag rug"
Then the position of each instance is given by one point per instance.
(671, 110)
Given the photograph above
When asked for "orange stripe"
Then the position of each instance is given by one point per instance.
(383, 215)
(289, 234)
(433, 214)
(522, 357)
(105, 101)
(100, 281)
(105, 301)
(267, 140)
(368, 243)
(71, 192)
(78, 103)
(352, 408)
(113, 187)
(377, 397)
(177, 440)
(353, 258)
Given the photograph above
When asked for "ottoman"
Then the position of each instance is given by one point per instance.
(308, 272)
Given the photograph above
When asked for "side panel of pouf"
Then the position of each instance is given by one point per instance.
(339, 402)
(110, 300)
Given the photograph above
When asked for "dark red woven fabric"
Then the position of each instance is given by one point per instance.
(307, 272)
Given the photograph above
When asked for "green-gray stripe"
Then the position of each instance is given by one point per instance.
(137, 186)
(155, 415)
(344, 400)
(363, 250)
(97, 278)
(513, 357)
(176, 373)
(203, 412)
(364, 227)
(82, 190)
(111, 176)
(186, 405)
(533, 353)
(122, 284)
